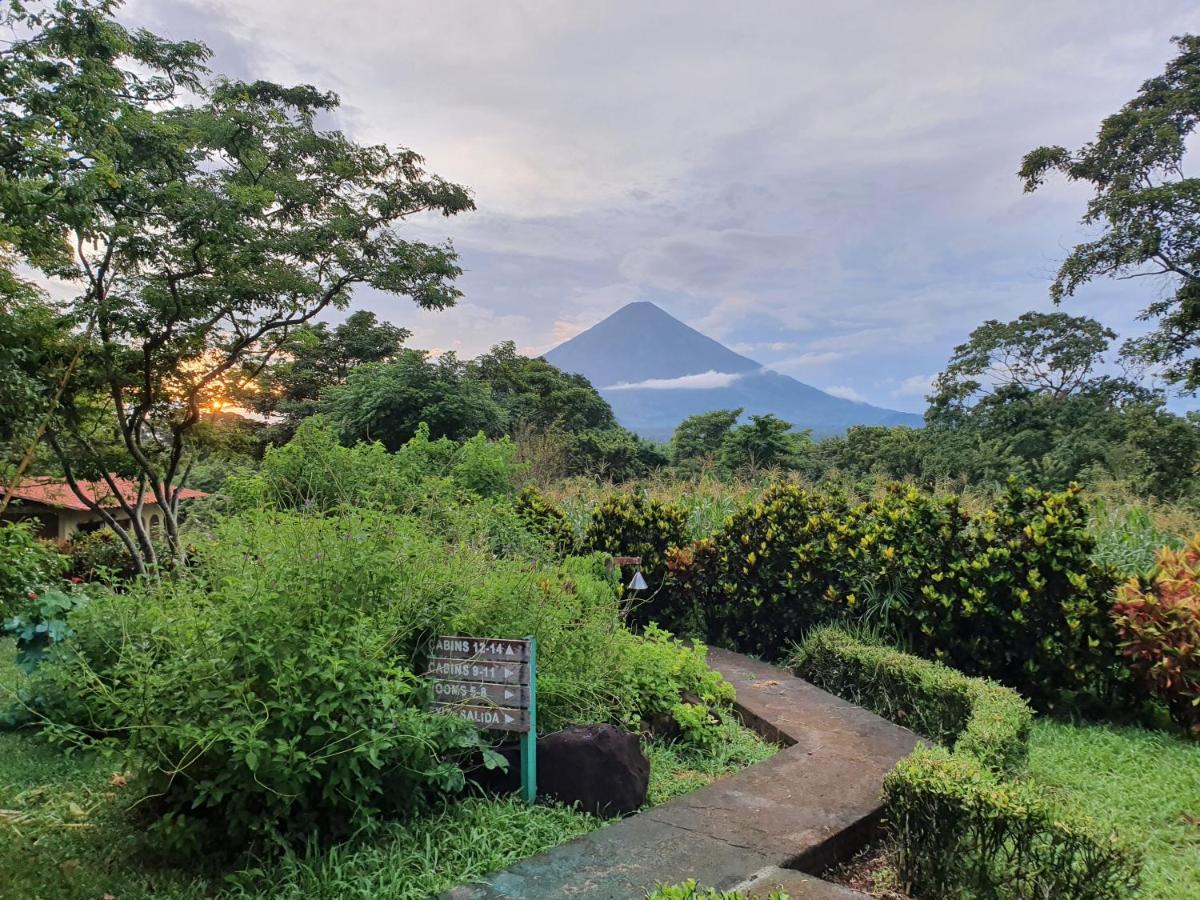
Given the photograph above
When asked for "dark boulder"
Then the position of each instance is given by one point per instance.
(600, 767)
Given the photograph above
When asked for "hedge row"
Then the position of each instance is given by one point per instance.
(963, 831)
(1009, 593)
(971, 715)
(960, 827)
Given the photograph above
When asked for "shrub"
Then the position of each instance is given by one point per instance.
(546, 520)
(1009, 593)
(667, 688)
(635, 525)
(41, 621)
(1026, 606)
(960, 830)
(1158, 620)
(773, 571)
(275, 690)
(25, 563)
(486, 468)
(971, 715)
(99, 556)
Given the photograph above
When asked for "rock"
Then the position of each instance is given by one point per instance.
(600, 767)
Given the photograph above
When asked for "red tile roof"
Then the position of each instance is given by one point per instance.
(52, 492)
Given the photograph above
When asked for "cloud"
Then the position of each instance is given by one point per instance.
(855, 214)
(845, 392)
(914, 386)
(709, 379)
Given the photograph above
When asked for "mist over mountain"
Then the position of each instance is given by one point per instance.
(656, 371)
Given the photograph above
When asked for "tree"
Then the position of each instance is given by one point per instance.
(1147, 209)
(208, 219)
(535, 393)
(700, 437)
(387, 402)
(314, 358)
(1050, 354)
(765, 442)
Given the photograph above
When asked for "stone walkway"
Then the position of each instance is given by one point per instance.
(810, 805)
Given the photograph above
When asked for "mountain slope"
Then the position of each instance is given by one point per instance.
(656, 371)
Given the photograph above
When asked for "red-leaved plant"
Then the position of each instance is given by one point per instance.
(1158, 620)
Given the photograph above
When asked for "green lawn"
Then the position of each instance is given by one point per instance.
(1145, 784)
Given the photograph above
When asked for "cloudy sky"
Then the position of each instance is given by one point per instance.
(829, 189)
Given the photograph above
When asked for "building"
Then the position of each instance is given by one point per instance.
(58, 513)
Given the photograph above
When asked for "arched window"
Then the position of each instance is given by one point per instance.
(155, 524)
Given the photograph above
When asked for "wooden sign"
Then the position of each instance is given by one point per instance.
(482, 649)
(487, 681)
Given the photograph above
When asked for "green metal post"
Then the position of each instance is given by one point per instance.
(529, 739)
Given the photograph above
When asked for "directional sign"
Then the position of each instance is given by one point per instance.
(494, 717)
(491, 682)
(482, 649)
(466, 670)
(515, 696)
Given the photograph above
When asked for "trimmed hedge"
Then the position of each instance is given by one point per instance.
(970, 715)
(961, 830)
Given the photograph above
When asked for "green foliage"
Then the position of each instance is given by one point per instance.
(611, 454)
(1158, 620)
(546, 520)
(197, 221)
(99, 556)
(314, 358)
(698, 439)
(25, 563)
(635, 525)
(1127, 539)
(666, 687)
(533, 393)
(275, 691)
(1143, 205)
(775, 569)
(961, 830)
(1010, 593)
(765, 442)
(41, 621)
(970, 715)
(388, 402)
(689, 890)
(486, 468)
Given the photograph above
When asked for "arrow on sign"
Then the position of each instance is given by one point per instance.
(508, 718)
(508, 695)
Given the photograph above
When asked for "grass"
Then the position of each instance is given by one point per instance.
(1145, 784)
(676, 770)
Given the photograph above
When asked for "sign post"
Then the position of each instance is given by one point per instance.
(491, 682)
(529, 738)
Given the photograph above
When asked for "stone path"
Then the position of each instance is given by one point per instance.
(808, 806)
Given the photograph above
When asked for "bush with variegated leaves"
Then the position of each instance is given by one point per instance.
(1158, 619)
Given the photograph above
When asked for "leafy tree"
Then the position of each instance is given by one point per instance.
(1050, 354)
(314, 358)
(535, 393)
(387, 402)
(611, 454)
(206, 220)
(765, 442)
(701, 437)
(1147, 209)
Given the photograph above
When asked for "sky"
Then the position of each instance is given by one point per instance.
(828, 189)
